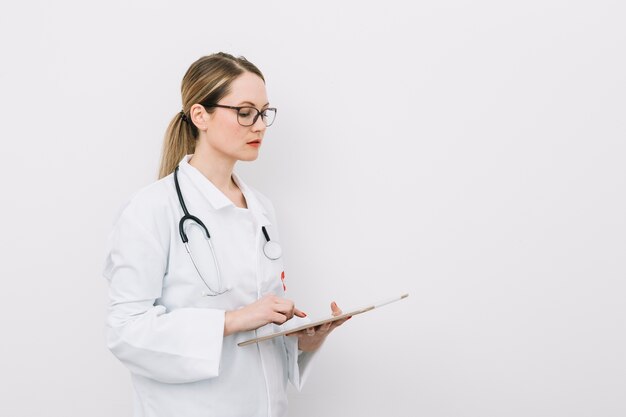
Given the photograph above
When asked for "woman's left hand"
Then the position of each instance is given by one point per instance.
(312, 338)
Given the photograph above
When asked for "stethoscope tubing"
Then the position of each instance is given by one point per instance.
(271, 249)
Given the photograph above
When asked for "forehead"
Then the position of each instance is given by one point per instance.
(247, 87)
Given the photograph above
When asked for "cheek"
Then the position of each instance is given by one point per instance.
(236, 131)
(232, 129)
(231, 133)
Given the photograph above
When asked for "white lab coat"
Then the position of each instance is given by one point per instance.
(167, 333)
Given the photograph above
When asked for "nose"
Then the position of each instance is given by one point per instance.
(259, 124)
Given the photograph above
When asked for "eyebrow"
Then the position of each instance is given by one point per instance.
(252, 104)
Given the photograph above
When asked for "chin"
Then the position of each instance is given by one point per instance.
(249, 157)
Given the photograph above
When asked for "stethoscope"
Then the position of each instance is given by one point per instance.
(271, 249)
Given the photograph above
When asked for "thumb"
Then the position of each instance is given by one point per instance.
(335, 309)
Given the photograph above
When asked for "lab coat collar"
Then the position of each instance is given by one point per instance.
(214, 196)
(254, 205)
(217, 199)
(251, 200)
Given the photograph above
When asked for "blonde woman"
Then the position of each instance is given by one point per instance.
(195, 266)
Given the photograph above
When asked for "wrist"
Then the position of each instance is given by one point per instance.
(231, 322)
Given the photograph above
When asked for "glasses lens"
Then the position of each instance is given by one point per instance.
(269, 115)
(246, 116)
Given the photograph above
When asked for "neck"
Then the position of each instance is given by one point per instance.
(217, 168)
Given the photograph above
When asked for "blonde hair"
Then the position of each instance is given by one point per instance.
(206, 81)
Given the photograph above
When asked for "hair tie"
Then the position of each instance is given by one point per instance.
(183, 116)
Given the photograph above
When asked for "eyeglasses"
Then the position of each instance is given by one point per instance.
(248, 115)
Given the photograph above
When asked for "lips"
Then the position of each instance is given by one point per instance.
(255, 142)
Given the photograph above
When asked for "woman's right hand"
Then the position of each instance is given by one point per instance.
(268, 309)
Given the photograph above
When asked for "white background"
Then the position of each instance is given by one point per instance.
(471, 153)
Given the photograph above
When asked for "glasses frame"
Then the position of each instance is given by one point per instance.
(238, 108)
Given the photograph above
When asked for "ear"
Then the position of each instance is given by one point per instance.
(199, 116)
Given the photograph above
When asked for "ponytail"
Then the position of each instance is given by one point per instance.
(179, 141)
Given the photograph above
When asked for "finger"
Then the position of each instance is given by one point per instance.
(278, 318)
(299, 313)
(303, 332)
(325, 327)
(335, 309)
(329, 327)
(340, 322)
(298, 333)
(285, 308)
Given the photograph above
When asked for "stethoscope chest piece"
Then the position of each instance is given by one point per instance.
(272, 250)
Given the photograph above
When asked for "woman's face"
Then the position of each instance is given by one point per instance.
(223, 133)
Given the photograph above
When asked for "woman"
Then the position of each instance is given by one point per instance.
(194, 265)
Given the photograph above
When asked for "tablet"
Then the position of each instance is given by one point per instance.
(323, 321)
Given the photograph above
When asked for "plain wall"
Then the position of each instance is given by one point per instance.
(471, 154)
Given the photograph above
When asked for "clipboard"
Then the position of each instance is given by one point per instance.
(323, 321)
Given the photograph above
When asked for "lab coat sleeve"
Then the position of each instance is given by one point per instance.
(183, 345)
(299, 362)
